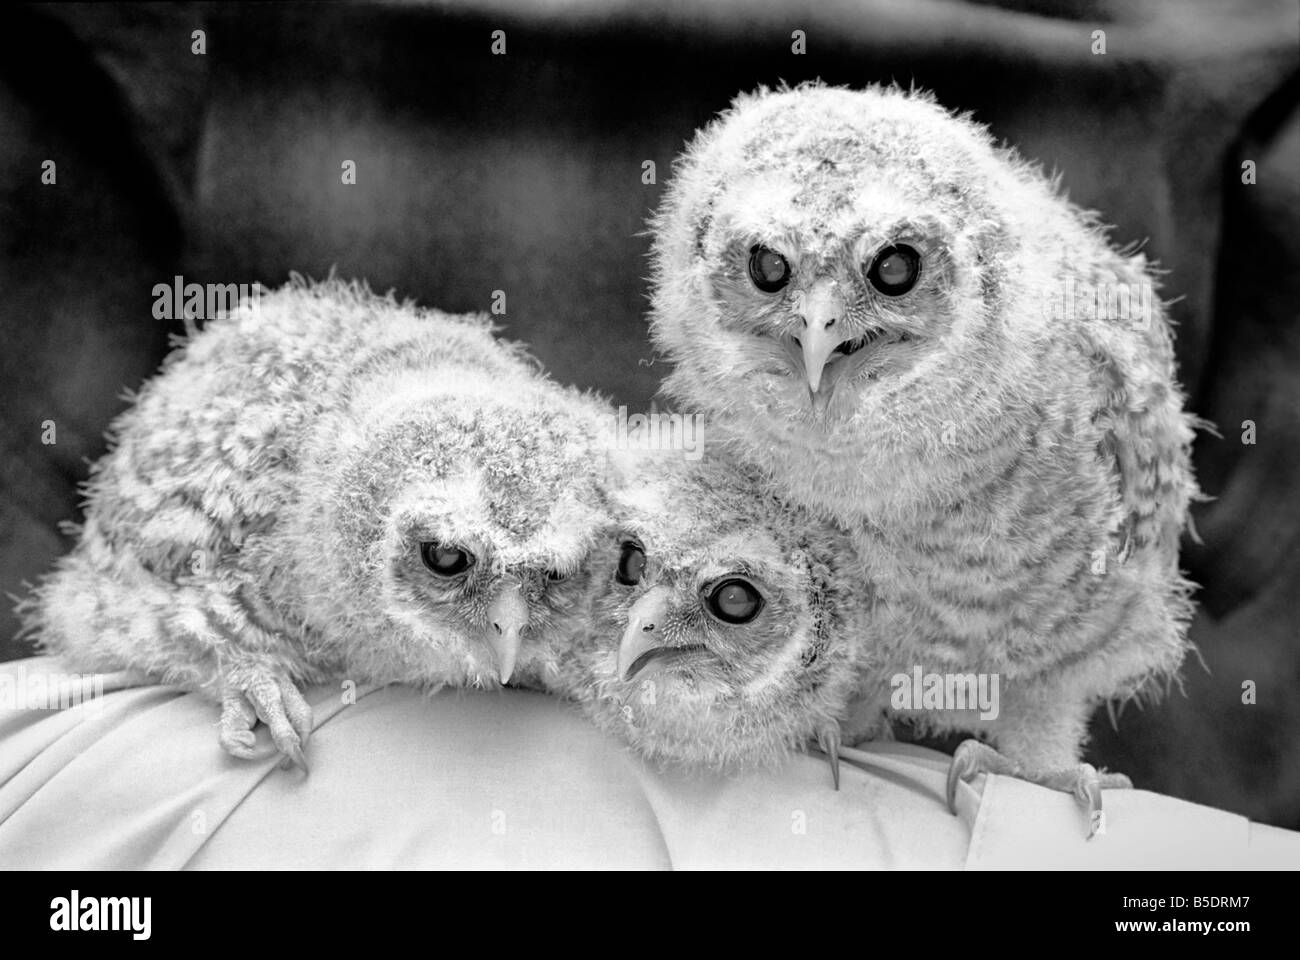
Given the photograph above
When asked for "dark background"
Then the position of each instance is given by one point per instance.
(522, 173)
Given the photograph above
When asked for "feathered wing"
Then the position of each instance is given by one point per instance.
(153, 582)
(193, 472)
(1138, 407)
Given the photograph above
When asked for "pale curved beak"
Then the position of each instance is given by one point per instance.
(507, 616)
(823, 328)
(644, 629)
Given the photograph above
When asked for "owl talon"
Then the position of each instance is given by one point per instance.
(828, 740)
(278, 704)
(972, 758)
(1089, 791)
(1084, 781)
(293, 757)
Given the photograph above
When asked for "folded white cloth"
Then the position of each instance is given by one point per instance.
(135, 779)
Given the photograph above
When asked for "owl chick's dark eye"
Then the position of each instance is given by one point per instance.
(556, 576)
(895, 270)
(768, 269)
(735, 601)
(631, 564)
(445, 561)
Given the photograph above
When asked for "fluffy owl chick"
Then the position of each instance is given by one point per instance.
(912, 332)
(330, 484)
(719, 621)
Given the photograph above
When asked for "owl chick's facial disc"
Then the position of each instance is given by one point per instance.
(488, 504)
(680, 625)
(812, 250)
(715, 625)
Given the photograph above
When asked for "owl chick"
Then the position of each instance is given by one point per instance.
(718, 624)
(911, 332)
(329, 484)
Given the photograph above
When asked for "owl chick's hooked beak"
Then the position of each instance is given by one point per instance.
(820, 310)
(821, 332)
(508, 615)
(643, 641)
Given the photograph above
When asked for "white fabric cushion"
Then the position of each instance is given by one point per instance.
(520, 780)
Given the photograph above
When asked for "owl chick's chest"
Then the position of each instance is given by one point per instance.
(1004, 580)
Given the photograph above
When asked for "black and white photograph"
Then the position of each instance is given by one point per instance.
(538, 435)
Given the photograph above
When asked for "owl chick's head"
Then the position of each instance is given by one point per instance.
(718, 633)
(830, 261)
(462, 522)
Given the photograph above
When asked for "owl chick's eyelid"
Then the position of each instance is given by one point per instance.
(474, 546)
(739, 250)
(758, 577)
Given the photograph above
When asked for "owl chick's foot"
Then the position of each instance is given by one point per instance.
(278, 704)
(828, 741)
(1084, 781)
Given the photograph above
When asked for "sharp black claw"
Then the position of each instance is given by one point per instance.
(829, 742)
(295, 756)
(954, 777)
